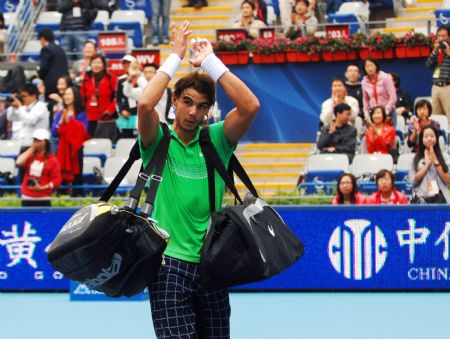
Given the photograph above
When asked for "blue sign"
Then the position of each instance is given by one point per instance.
(346, 248)
(442, 17)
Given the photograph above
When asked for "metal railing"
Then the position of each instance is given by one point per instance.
(22, 23)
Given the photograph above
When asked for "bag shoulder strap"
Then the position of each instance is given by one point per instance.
(133, 156)
(213, 161)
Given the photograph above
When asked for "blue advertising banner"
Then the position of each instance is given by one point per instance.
(346, 248)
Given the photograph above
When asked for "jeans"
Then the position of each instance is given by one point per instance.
(161, 9)
(73, 44)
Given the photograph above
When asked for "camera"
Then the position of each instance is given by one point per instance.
(442, 45)
(31, 182)
(10, 98)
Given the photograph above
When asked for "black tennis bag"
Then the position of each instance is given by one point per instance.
(112, 249)
(247, 242)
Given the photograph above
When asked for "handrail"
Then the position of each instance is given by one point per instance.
(23, 20)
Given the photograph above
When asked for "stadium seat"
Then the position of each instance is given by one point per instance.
(323, 168)
(49, 19)
(8, 174)
(112, 167)
(421, 98)
(144, 5)
(8, 19)
(404, 164)
(31, 51)
(365, 166)
(98, 147)
(442, 120)
(352, 12)
(91, 166)
(132, 175)
(400, 125)
(101, 21)
(442, 17)
(123, 147)
(132, 20)
(9, 149)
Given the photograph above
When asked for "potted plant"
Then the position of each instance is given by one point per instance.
(269, 50)
(337, 49)
(381, 45)
(303, 49)
(414, 45)
(232, 52)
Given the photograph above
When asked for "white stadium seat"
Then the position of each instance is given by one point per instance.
(129, 15)
(328, 162)
(98, 147)
(9, 148)
(371, 163)
(405, 161)
(442, 120)
(123, 147)
(8, 165)
(112, 167)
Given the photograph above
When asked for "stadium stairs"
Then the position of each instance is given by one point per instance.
(204, 22)
(421, 11)
(273, 167)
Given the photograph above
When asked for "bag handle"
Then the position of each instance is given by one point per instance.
(213, 161)
(158, 159)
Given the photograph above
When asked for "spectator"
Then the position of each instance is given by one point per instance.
(53, 61)
(247, 19)
(127, 107)
(423, 110)
(31, 113)
(160, 30)
(98, 90)
(3, 37)
(302, 21)
(429, 172)
(404, 105)
(62, 84)
(42, 171)
(387, 194)
(82, 66)
(380, 137)
(163, 107)
(353, 85)
(439, 63)
(346, 191)
(378, 90)
(77, 17)
(339, 136)
(338, 96)
(70, 125)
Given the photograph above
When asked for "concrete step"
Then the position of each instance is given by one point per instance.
(414, 12)
(273, 146)
(427, 3)
(269, 189)
(272, 157)
(273, 176)
(419, 21)
(201, 19)
(281, 167)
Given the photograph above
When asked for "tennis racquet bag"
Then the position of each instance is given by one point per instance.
(246, 242)
(113, 249)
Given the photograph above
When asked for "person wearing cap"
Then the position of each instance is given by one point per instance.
(42, 171)
(181, 306)
(30, 113)
(126, 106)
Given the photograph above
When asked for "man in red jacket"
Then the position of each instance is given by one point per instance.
(42, 171)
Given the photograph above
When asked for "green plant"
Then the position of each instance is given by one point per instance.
(414, 39)
(381, 40)
(232, 45)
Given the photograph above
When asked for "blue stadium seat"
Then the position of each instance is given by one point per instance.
(144, 5)
(345, 18)
(321, 181)
(132, 21)
(402, 172)
(31, 51)
(50, 20)
(442, 17)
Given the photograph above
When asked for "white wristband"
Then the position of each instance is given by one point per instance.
(214, 67)
(171, 65)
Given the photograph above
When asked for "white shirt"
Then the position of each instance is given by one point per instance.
(33, 116)
(327, 114)
(134, 93)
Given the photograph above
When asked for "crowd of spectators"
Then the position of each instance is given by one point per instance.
(90, 101)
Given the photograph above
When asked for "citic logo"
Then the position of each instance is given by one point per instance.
(357, 250)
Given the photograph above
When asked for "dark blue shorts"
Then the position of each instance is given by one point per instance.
(182, 308)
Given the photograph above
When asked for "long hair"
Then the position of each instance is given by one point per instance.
(340, 195)
(421, 152)
(77, 100)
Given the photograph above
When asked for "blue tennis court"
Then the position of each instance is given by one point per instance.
(254, 315)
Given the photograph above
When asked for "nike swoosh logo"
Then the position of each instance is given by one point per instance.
(271, 231)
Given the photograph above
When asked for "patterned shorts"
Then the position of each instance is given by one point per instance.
(182, 308)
